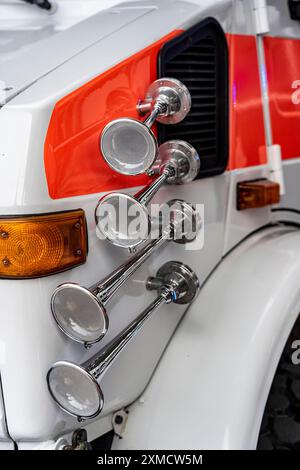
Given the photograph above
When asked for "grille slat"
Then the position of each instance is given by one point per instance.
(191, 133)
(197, 123)
(192, 63)
(203, 96)
(195, 115)
(197, 58)
(208, 106)
(208, 58)
(201, 89)
(199, 80)
(193, 68)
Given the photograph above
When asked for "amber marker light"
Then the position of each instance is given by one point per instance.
(39, 245)
(257, 193)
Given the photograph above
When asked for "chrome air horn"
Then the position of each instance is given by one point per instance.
(76, 388)
(80, 312)
(128, 145)
(178, 163)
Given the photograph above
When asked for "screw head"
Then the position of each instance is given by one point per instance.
(5, 261)
(118, 419)
(4, 234)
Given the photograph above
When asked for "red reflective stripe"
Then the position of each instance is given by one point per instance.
(73, 163)
(247, 136)
(283, 69)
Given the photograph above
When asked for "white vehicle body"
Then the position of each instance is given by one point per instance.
(204, 385)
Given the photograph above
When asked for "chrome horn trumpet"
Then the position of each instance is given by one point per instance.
(178, 163)
(77, 388)
(80, 312)
(129, 146)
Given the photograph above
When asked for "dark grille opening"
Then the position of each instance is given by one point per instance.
(199, 59)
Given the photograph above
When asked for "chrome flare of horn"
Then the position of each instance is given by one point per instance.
(77, 388)
(80, 312)
(129, 146)
(178, 163)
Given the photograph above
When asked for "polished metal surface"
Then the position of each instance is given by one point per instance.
(178, 163)
(178, 284)
(129, 146)
(80, 312)
(68, 380)
(181, 277)
(109, 217)
(174, 95)
(182, 157)
(72, 304)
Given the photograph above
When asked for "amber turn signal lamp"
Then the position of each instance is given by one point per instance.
(259, 193)
(39, 245)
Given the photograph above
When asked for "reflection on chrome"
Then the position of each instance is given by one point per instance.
(77, 388)
(123, 219)
(129, 146)
(80, 312)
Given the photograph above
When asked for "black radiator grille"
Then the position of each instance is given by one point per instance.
(198, 58)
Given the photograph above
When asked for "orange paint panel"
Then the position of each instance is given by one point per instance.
(247, 136)
(73, 162)
(283, 69)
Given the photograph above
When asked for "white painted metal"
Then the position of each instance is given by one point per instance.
(28, 335)
(273, 150)
(242, 21)
(281, 24)
(240, 223)
(260, 16)
(210, 388)
(48, 33)
(164, 14)
(27, 303)
(4, 437)
(7, 445)
(262, 27)
(291, 169)
(29, 32)
(112, 48)
(291, 198)
(276, 166)
(94, 430)
(264, 89)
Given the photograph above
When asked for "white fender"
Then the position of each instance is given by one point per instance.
(210, 388)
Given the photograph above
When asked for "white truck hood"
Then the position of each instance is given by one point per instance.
(34, 42)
